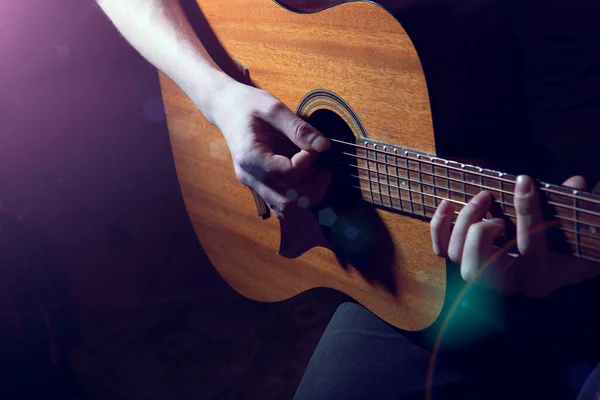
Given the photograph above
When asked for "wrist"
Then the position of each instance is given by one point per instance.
(206, 96)
(222, 102)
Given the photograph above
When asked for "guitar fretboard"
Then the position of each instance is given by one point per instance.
(415, 184)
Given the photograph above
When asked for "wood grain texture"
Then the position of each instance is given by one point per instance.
(361, 53)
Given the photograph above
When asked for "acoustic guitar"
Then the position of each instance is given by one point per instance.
(352, 71)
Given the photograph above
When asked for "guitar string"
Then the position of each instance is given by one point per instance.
(424, 214)
(445, 165)
(468, 183)
(591, 258)
(444, 188)
(413, 202)
(484, 219)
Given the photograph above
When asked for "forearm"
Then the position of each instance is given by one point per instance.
(160, 31)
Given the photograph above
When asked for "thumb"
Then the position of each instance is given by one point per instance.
(300, 132)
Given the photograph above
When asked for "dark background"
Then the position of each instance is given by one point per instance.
(104, 285)
(105, 292)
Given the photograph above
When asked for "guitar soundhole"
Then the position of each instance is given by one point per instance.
(343, 193)
(352, 226)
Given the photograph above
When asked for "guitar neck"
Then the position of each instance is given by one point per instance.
(415, 184)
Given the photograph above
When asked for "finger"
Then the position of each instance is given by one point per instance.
(441, 228)
(576, 182)
(302, 162)
(531, 239)
(479, 252)
(473, 212)
(283, 173)
(264, 165)
(300, 132)
(276, 201)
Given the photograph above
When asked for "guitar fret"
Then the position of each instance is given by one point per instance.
(369, 173)
(387, 178)
(462, 166)
(480, 179)
(397, 180)
(448, 181)
(501, 188)
(576, 217)
(377, 165)
(412, 209)
(435, 199)
(439, 184)
(373, 173)
(404, 185)
(421, 184)
(377, 177)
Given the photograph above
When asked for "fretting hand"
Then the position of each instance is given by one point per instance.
(254, 123)
(535, 271)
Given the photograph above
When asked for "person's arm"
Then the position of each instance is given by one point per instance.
(161, 32)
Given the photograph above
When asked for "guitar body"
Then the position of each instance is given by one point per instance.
(354, 60)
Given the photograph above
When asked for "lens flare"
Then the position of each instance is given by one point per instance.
(458, 302)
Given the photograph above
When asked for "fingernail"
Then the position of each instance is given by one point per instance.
(444, 208)
(320, 144)
(524, 186)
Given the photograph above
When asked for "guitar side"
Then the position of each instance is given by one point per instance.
(359, 52)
